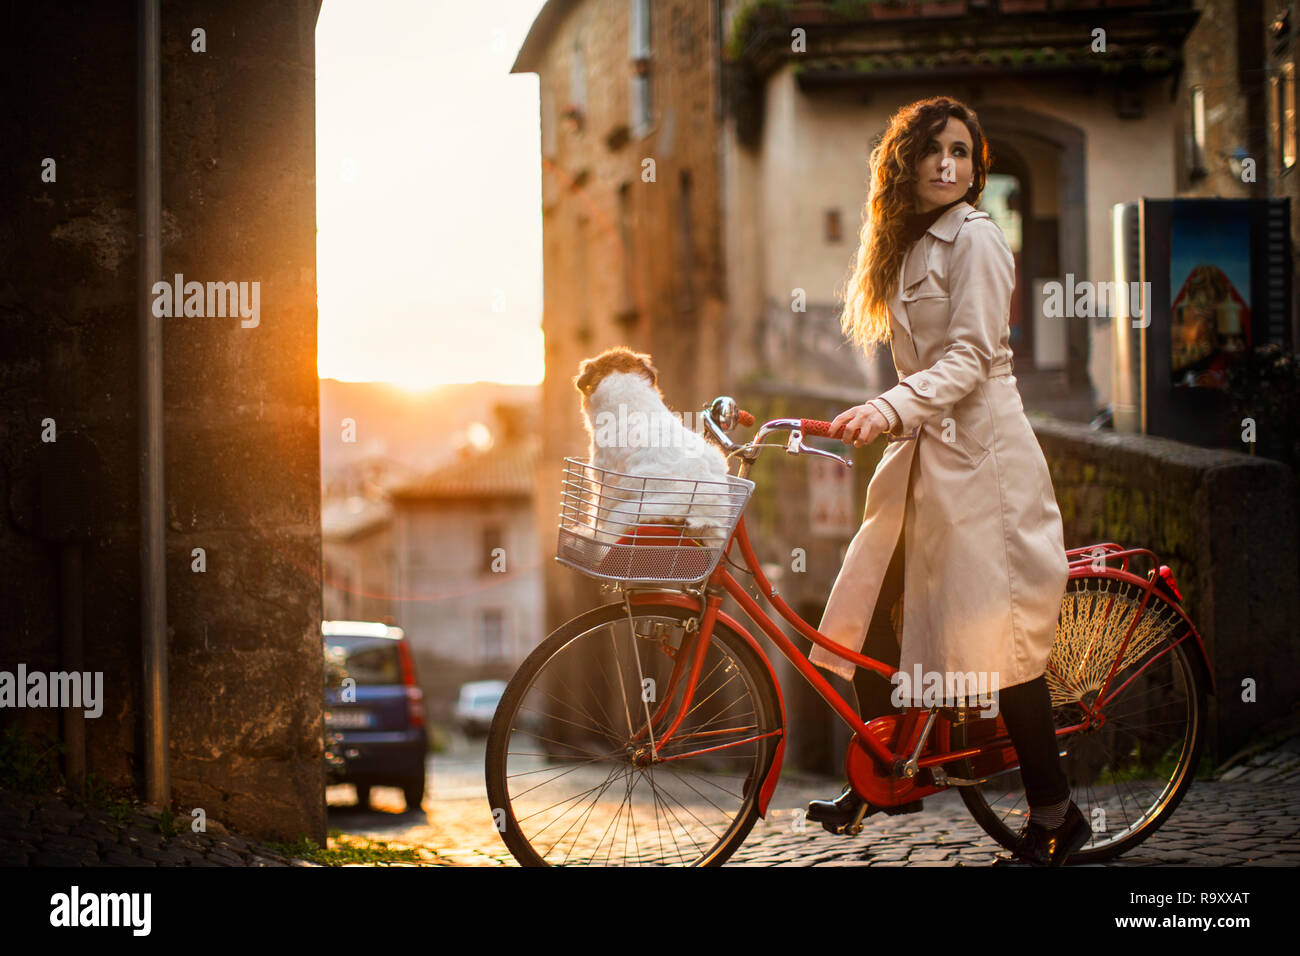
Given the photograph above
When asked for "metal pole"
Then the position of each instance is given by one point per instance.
(153, 572)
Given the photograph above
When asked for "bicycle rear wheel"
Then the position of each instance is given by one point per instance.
(567, 775)
(1128, 775)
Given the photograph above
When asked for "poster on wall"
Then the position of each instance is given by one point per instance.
(1209, 272)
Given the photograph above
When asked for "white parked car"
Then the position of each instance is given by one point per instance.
(478, 702)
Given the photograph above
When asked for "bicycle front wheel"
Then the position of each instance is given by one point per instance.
(572, 775)
(1129, 774)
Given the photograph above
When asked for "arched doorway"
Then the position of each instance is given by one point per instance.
(1007, 198)
(1044, 159)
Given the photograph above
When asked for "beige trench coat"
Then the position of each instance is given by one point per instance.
(985, 566)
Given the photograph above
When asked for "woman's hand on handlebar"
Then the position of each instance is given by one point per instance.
(859, 425)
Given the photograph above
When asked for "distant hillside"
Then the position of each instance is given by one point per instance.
(418, 432)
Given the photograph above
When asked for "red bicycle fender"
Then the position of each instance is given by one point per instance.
(769, 782)
(682, 600)
(1205, 658)
(1199, 644)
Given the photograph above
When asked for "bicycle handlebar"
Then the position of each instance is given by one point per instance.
(722, 414)
(815, 427)
(809, 426)
(812, 426)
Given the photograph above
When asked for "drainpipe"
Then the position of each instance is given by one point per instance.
(153, 571)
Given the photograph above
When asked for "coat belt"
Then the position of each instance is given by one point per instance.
(999, 368)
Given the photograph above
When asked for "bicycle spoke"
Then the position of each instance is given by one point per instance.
(575, 767)
(560, 743)
(612, 823)
(582, 819)
(578, 796)
(564, 720)
(689, 811)
(711, 783)
(570, 705)
(672, 832)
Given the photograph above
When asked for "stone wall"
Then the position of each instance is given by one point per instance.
(242, 463)
(1226, 524)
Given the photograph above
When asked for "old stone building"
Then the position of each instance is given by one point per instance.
(466, 556)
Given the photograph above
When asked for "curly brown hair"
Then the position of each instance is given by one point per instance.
(882, 246)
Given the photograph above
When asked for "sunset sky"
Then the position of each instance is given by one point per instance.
(428, 193)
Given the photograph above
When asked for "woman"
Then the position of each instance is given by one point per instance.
(983, 570)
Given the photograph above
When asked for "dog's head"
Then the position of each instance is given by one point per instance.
(593, 371)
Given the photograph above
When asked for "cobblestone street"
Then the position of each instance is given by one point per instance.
(1250, 817)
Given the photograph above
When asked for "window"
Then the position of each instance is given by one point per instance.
(641, 99)
(1281, 116)
(833, 233)
(493, 538)
(639, 31)
(642, 104)
(1196, 144)
(1275, 122)
(493, 634)
(366, 660)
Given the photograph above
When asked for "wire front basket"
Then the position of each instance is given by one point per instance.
(643, 530)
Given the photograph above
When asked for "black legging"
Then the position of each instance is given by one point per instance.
(1026, 708)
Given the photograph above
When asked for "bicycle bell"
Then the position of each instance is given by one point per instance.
(724, 412)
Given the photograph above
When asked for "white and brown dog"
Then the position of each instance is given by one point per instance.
(632, 431)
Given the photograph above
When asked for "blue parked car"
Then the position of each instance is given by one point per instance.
(375, 732)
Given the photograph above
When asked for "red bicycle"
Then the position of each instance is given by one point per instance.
(651, 730)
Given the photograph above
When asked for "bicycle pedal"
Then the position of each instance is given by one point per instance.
(843, 829)
(854, 826)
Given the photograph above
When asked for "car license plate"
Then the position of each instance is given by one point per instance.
(349, 719)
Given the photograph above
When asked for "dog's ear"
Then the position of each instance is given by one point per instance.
(649, 367)
(586, 373)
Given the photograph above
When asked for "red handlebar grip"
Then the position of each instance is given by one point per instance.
(813, 426)
(744, 417)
